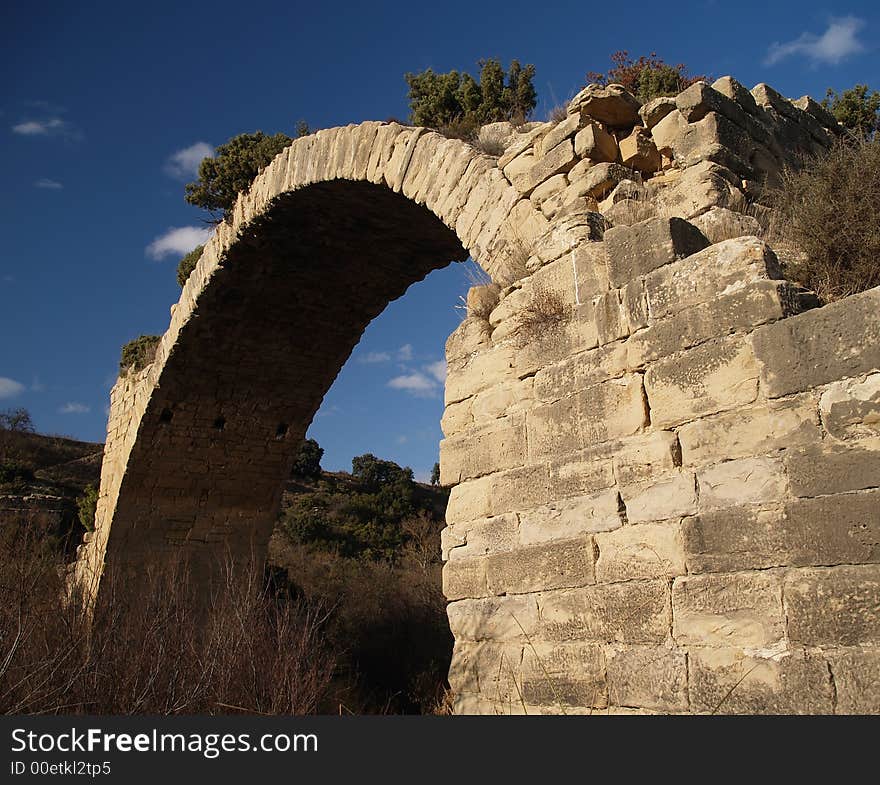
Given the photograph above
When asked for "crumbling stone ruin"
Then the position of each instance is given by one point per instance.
(664, 458)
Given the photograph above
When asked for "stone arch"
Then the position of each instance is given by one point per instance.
(338, 225)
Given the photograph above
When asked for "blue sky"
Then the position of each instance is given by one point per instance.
(106, 109)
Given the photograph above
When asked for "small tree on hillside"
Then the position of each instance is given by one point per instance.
(856, 109)
(188, 264)
(646, 78)
(16, 420)
(308, 460)
(232, 170)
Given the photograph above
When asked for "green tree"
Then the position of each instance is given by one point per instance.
(308, 460)
(86, 505)
(188, 264)
(16, 420)
(435, 474)
(646, 78)
(232, 170)
(856, 109)
(456, 101)
(374, 472)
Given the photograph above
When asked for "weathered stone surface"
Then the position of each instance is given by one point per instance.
(820, 469)
(561, 131)
(856, 674)
(652, 677)
(697, 189)
(668, 131)
(512, 618)
(646, 457)
(595, 143)
(655, 110)
(612, 105)
(465, 578)
(742, 481)
(571, 517)
(639, 249)
(564, 564)
(469, 501)
(605, 411)
(851, 408)
(521, 488)
(835, 606)
(715, 138)
(808, 532)
(649, 550)
(611, 321)
(638, 151)
(629, 612)
(729, 681)
(820, 346)
(719, 224)
(498, 445)
(478, 371)
(716, 270)
(662, 498)
(728, 86)
(482, 299)
(741, 609)
(755, 430)
(548, 188)
(582, 370)
(499, 533)
(563, 675)
(714, 377)
(558, 160)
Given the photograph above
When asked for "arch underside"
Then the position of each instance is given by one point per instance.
(249, 370)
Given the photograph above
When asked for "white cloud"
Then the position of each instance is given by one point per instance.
(437, 370)
(184, 163)
(47, 126)
(178, 241)
(71, 407)
(836, 43)
(374, 357)
(405, 353)
(402, 439)
(51, 185)
(416, 383)
(9, 388)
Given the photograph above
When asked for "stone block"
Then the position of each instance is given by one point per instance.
(469, 501)
(476, 372)
(645, 246)
(730, 681)
(472, 335)
(755, 430)
(715, 138)
(512, 618)
(717, 376)
(646, 457)
(628, 612)
(612, 105)
(569, 518)
(742, 481)
(550, 187)
(521, 488)
(611, 322)
(648, 550)
(834, 606)
(824, 469)
(556, 161)
(581, 474)
(667, 132)
(720, 224)
(559, 133)
(697, 189)
(605, 411)
(595, 143)
(558, 565)
(483, 450)
(651, 677)
(562, 676)
(823, 531)
(856, 674)
(637, 151)
(584, 369)
(596, 181)
(659, 499)
(655, 110)
(851, 408)
(820, 346)
(465, 578)
(740, 609)
(497, 534)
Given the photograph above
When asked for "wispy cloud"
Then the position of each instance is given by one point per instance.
(47, 127)
(405, 353)
(836, 43)
(416, 383)
(37, 386)
(373, 358)
(425, 382)
(9, 388)
(49, 185)
(178, 241)
(183, 164)
(72, 407)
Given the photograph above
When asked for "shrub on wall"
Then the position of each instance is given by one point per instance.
(139, 353)
(827, 211)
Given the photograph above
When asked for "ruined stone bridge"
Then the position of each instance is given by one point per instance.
(664, 461)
